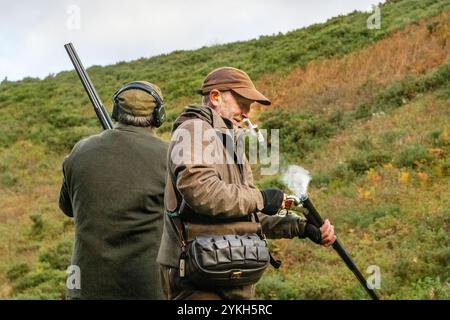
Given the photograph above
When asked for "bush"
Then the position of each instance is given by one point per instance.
(364, 143)
(343, 172)
(390, 137)
(57, 257)
(362, 111)
(438, 138)
(412, 156)
(430, 288)
(321, 179)
(365, 218)
(63, 118)
(18, 270)
(362, 161)
(396, 94)
(271, 182)
(273, 286)
(300, 133)
(37, 227)
(41, 283)
(64, 140)
(8, 179)
(435, 79)
(47, 279)
(337, 119)
(400, 92)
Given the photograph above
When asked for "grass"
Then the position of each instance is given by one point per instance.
(365, 111)
(394, 217)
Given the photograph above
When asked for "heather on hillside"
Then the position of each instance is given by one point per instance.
(367, 112)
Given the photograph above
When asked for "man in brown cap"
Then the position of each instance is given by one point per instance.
(113, 187)
(207, 198)
(236, 80)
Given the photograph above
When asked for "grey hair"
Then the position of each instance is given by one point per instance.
(129, 119)
(206, 101)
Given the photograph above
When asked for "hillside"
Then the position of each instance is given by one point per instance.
(366, 111)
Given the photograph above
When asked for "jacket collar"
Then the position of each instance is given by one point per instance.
(134, 129)
(206, 114)
(218, 122)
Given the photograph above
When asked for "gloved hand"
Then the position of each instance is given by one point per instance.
(313, 233)
(324, 235)
(273, 200)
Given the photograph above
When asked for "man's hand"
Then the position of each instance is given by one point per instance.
(328, 236)
(323, 235)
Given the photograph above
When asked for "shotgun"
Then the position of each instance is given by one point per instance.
(297, 179)
(314, 218)
(99, 109)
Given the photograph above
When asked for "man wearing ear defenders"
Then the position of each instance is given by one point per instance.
(205, 197)
(114, 189)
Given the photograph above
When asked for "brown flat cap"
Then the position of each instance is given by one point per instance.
(228, 78)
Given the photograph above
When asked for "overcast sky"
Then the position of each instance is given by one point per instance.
(32, 33)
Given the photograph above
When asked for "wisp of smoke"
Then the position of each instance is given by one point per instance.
(297, 179)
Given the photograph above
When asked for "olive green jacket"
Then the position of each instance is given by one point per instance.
(114, 189)
(211, 190)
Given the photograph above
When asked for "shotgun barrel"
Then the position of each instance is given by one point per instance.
(99, 109)
(314, 218)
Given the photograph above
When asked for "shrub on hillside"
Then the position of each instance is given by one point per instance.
(391, 137)
(337, 119)
(17, 270)
(47, 279)
(364, 143)
(396, 94)
(362, 111)
(300, 133)
(65, 118)
(433, 288)
(363, 161)
(271, 182)
(274, 286)
(401, 92)
(435, 79)
(65, 140)
(412, 156)
(57, 257)
(439, 138)
(343, 172)
(41, 283)
(8, 179)
(320, 179)
(37, 228)
(362, 219)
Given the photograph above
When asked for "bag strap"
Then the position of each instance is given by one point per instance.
(180, 230)
(274, 262)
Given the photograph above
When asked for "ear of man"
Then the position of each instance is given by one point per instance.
(214, 97)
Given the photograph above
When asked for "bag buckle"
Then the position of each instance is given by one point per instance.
(236, 275)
